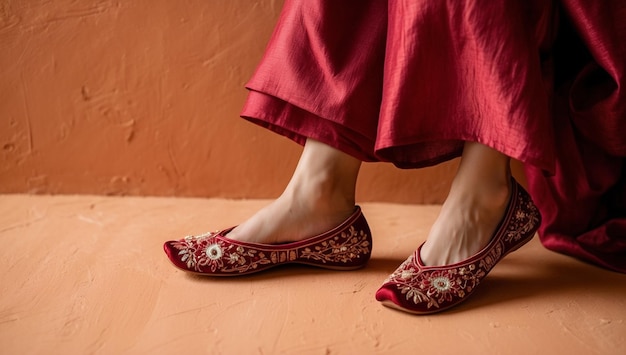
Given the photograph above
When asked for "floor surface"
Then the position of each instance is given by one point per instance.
(87, 274)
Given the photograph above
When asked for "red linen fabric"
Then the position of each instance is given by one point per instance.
(408, 82)
(584, 202)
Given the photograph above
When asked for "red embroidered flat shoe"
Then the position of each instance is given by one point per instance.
(346, 247)
(420, 289)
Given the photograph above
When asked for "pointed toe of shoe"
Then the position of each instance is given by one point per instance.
(167, 248)
(386, 295)
(393, 297)
(172, 254)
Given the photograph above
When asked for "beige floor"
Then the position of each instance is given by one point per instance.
(87, 274)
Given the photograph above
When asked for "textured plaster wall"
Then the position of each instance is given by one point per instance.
(142, 98)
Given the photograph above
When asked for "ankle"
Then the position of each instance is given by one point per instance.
(486, 197)
(320, 198)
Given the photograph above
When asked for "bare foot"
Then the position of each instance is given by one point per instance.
(319, 197)
(466, 223)
(290, 218)
(473, 209)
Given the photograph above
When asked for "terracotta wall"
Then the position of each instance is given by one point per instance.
(142, 98)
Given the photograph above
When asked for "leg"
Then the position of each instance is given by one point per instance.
(474, 207)
(319, 196)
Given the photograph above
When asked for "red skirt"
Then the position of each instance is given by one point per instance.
(408, 82)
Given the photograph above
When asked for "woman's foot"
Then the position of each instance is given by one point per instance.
(466, 223)
(473, 209)
(319, 197)
(292, 217)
